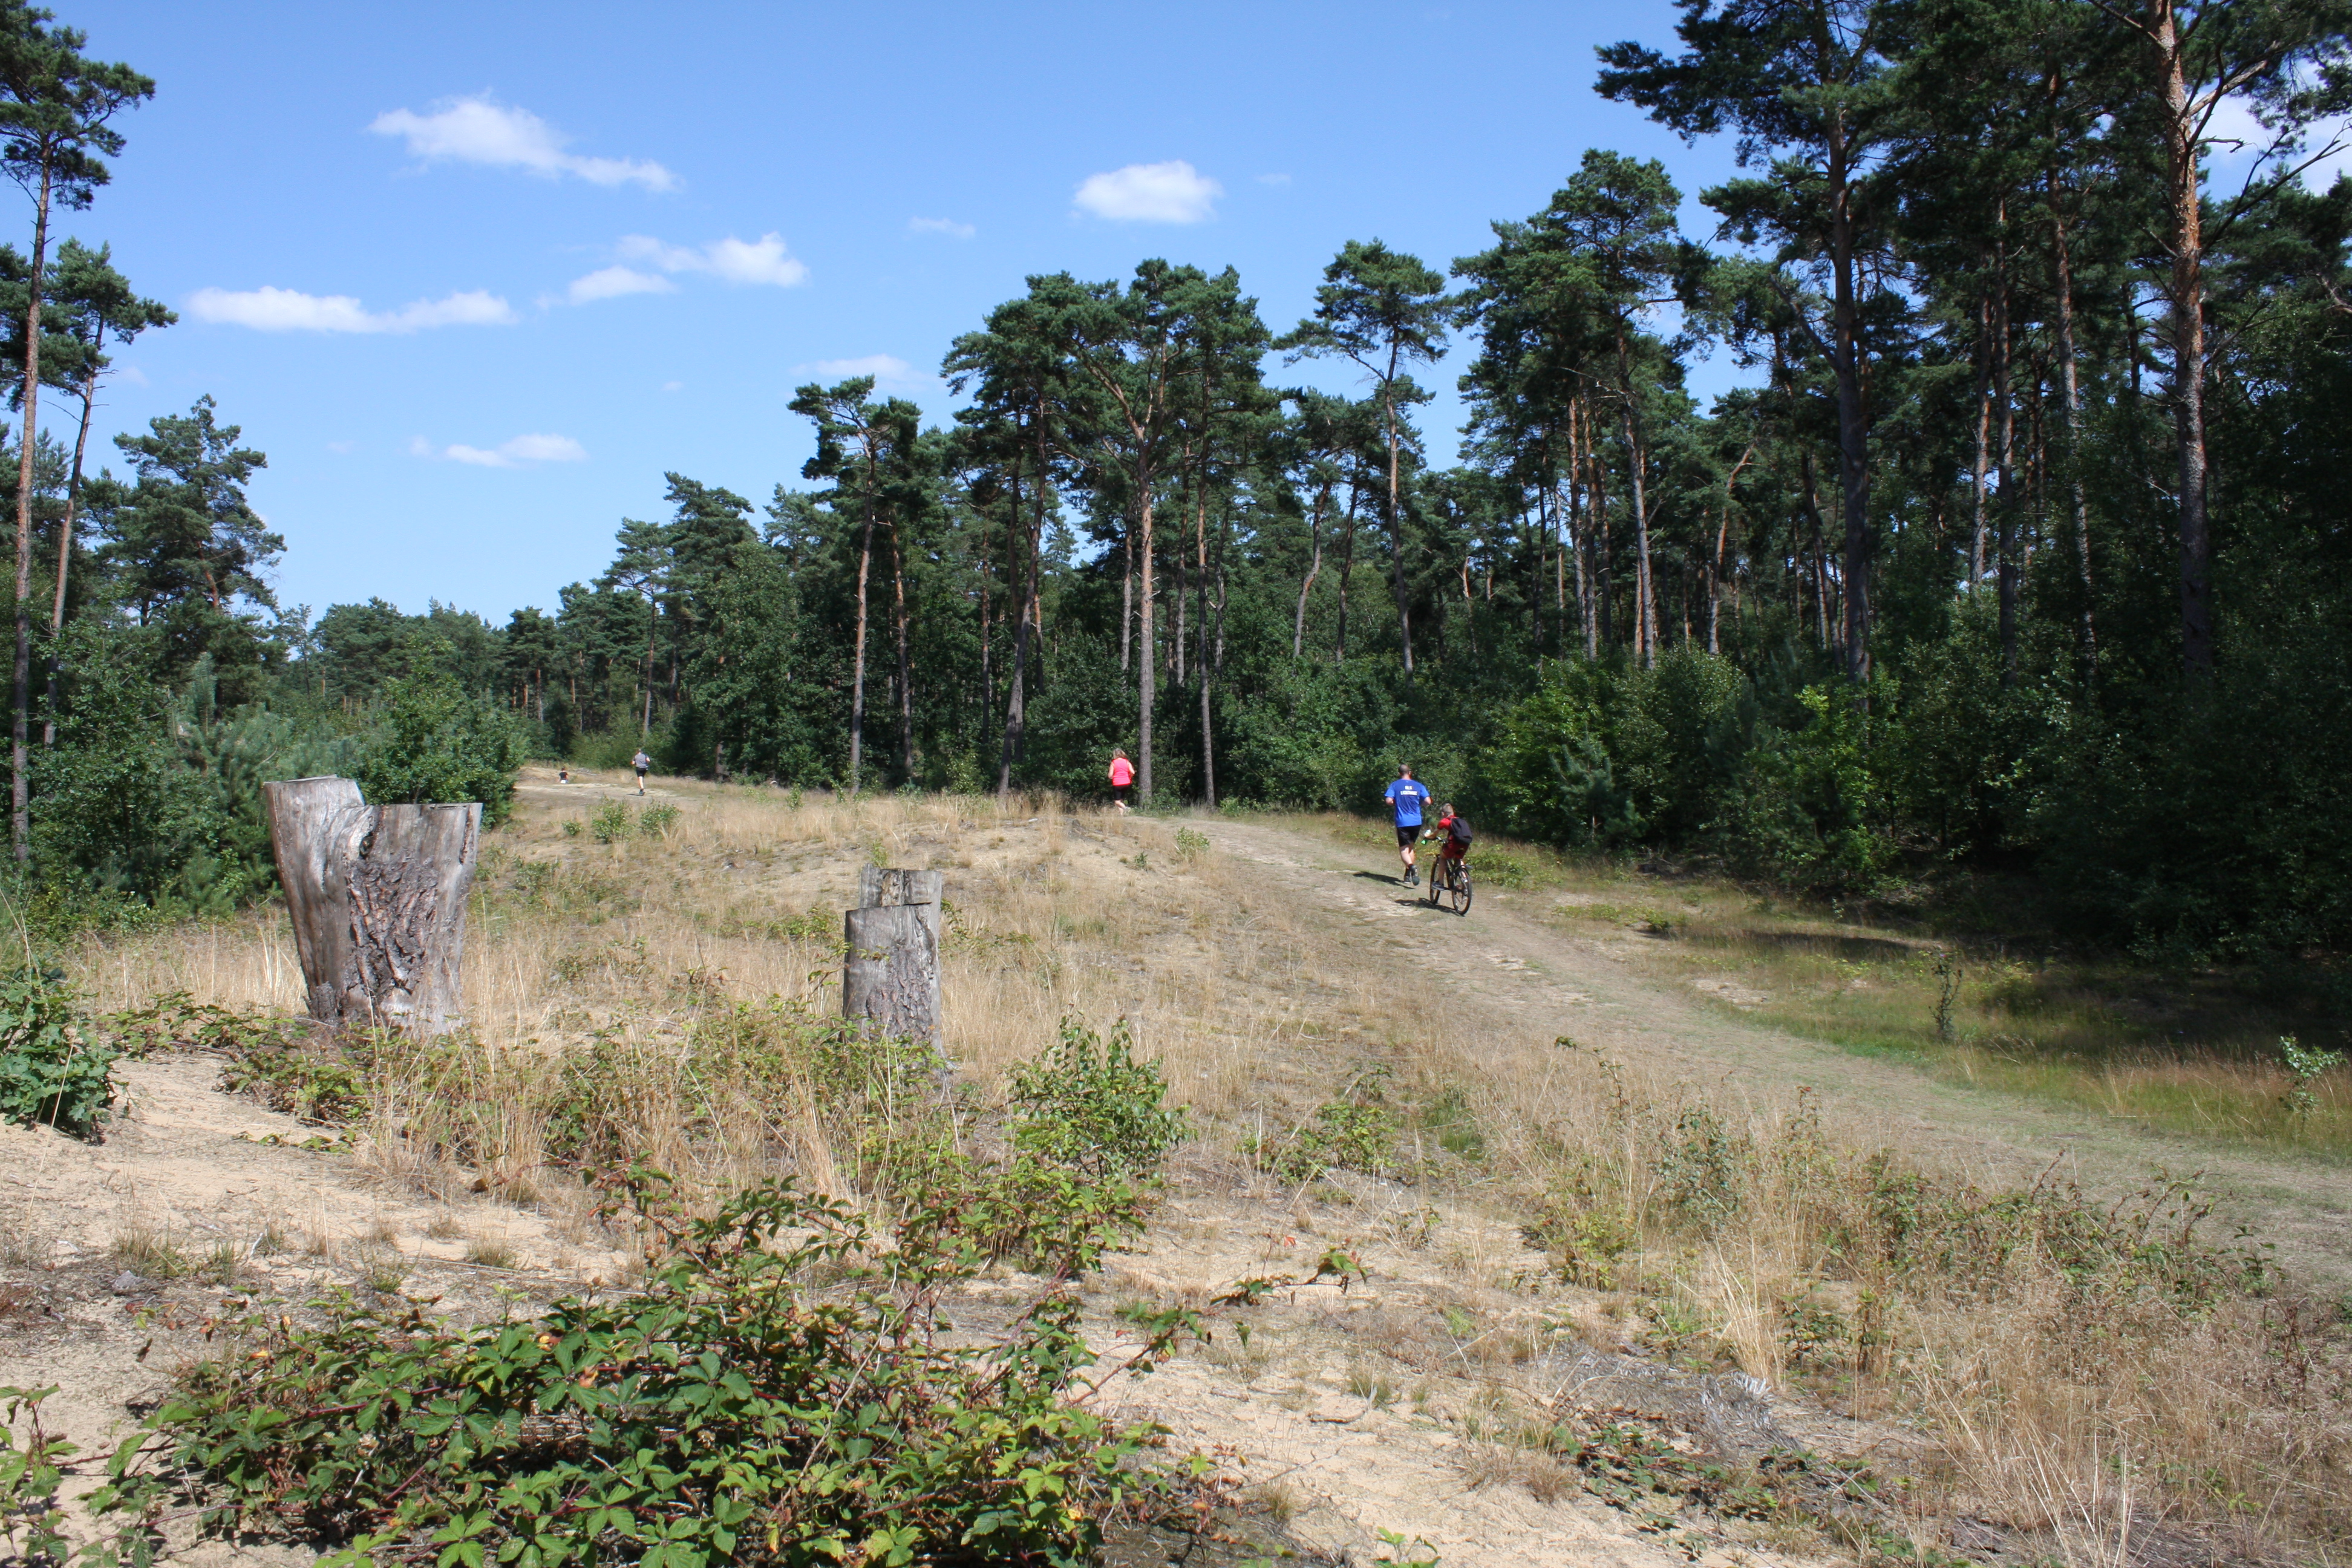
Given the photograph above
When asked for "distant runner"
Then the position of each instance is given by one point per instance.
(641, 762)
(1122, 776)
(1405, 798)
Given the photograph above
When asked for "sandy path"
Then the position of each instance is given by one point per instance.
(1505, 960)
(195, 1170)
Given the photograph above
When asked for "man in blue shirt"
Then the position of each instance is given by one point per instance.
(1405, 798)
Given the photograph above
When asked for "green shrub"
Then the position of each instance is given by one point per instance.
(609, 823)
(437, 743)
(1088, 1104)
(1810, 809)
(731, 1410)
(656, 820)
(55, 1071)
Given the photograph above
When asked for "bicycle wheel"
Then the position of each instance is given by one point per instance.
(1459, 882)
(1436, 882)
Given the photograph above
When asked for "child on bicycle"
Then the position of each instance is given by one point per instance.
(1454, 830)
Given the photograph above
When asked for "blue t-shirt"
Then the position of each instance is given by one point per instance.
(1406, 795)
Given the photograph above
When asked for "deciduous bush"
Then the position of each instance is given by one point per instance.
(1088, 1104)
(438, 743)
(736, 1408)
(55, 1070)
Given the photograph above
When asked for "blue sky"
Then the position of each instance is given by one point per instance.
(474, 276)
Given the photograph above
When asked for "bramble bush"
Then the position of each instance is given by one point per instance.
(736, 1407)
(55, 1070)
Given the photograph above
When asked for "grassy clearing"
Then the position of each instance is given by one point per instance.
(2186, 1050)
(2081, 1372)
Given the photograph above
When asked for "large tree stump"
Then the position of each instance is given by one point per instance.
(377, 895)
(890, 976)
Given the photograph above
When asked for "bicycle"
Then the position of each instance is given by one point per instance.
(1451, 878)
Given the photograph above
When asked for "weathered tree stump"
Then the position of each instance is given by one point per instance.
(377, 895)
(890, 976)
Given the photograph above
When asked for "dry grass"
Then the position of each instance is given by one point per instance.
(2075, 1401)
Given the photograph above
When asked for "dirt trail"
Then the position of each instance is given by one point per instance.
(1505, 960)
(213, 1187)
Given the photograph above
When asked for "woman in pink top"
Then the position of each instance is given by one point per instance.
(1122, 776)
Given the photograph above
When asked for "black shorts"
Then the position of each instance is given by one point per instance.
(1407, 836)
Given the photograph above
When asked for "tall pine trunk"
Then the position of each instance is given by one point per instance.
(1016, 711)
(1148, 674)
(19, 785)
(2005, 548)
(987, 571)
(1396, 531)
(1821, 549)
(1853, 418)
(1984, 441)
(66, 544)
(1645, 597)
(857, 658)
(2187, 297)
(1127, 604)
(2082, 506)
(1645, 606)
(1201, 660)
(1603, 565)
(1715, 562)
(1313, 566)
(906, 758)
(1346, 569)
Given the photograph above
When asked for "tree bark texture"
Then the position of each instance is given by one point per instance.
(377, 898)
(890, 977)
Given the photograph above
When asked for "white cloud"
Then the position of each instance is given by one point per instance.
(523, 451)
(946, 226)
(479, 129)
(2236, 139)
(1173, 192)
(890, 372)
(763, 260)
(269, 310)
(612, 282)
